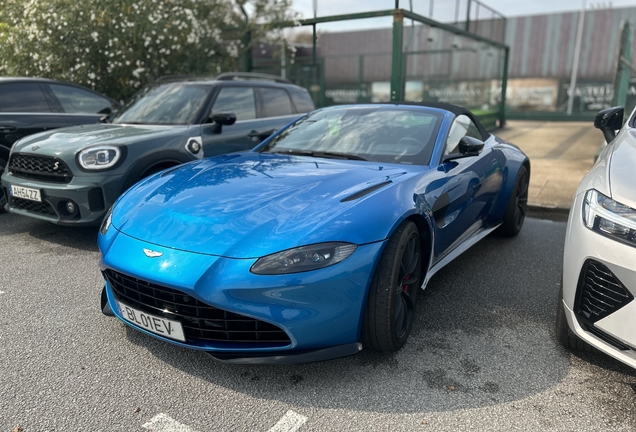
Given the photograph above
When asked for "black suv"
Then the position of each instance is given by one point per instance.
(73, 175)
(30, 105)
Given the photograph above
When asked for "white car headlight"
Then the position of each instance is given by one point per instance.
(304, 258)
(99, 157)
(609, 218)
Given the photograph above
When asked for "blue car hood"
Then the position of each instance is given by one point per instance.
(248, 205)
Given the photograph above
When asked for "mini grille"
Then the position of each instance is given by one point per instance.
(599, 293)
(44, 168)
(33, 206)
(201, 322)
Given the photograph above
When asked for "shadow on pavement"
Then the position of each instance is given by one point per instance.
(483, 335)
(46, 237)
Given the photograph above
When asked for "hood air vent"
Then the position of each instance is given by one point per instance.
(366, 191)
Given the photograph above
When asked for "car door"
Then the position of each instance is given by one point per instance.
(255, 119)
(462, 196)
(239, 100)
(25, 110)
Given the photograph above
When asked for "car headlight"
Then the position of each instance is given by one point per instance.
(304, 258)
(107, 222)
(99, 157)
(609, 218)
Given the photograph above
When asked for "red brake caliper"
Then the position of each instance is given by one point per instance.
(405, 287)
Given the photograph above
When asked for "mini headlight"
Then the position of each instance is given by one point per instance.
(609, 218)
(108, 219)
(99, 157)
(304, 258)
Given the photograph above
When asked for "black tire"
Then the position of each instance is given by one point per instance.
(564, 334)
(517, 205)
(393, 292)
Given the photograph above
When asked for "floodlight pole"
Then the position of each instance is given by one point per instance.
(397, 61)
(577, 54)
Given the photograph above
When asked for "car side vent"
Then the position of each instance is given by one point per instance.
(365, 191)
(599, 293)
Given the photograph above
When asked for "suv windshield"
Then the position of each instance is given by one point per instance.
(168, 104)
(382, 134)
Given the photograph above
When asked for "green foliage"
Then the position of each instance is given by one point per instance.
(117, 46)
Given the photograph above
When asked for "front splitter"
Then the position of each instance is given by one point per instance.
(309, 356)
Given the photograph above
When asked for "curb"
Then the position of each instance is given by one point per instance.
(553, 213)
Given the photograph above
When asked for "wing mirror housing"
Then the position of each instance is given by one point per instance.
(222, 119)
(261, 136)
(609, 121)
(468, 146)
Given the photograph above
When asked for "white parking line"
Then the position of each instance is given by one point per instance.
(164, 423)
(290, 422)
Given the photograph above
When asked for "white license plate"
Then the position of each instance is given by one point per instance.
(157, 325)
(26, 193)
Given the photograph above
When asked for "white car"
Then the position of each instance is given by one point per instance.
(596, 303)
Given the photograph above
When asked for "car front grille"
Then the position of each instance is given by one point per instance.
(43, 168)
(43, 207)
(599, 292)
(201, 322)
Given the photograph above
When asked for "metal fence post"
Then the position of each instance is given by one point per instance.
(360, 74)
(621, 80)
(247, 54)
(504, 86)
(468, 16)
(397, 89)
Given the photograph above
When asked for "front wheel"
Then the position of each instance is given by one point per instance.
(391, 302)
(517, 205)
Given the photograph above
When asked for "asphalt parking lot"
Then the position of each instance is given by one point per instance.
(482, 355)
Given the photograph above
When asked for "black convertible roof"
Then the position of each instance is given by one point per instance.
(457, 110)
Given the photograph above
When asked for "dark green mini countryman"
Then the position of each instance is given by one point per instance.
(72, 176)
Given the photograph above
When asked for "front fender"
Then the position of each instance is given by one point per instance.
(514, 159)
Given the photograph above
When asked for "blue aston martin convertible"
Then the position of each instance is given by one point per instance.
(314, 244)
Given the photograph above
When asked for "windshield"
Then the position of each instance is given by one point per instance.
(168, 104)
(382, 134)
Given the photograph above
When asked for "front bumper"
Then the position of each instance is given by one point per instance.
(92, 197)
(614, 334)
(320, 311)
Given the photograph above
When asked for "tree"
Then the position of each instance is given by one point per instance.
(117, 46)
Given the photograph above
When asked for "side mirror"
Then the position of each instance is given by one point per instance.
(260, 136)
(225, 119)
(468, 146)
(609, 121)
(222, 119)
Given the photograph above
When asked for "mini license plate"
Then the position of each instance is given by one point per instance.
(157, 325)
(26, 193)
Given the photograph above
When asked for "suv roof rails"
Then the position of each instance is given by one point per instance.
(230, 76)
(182, 78)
